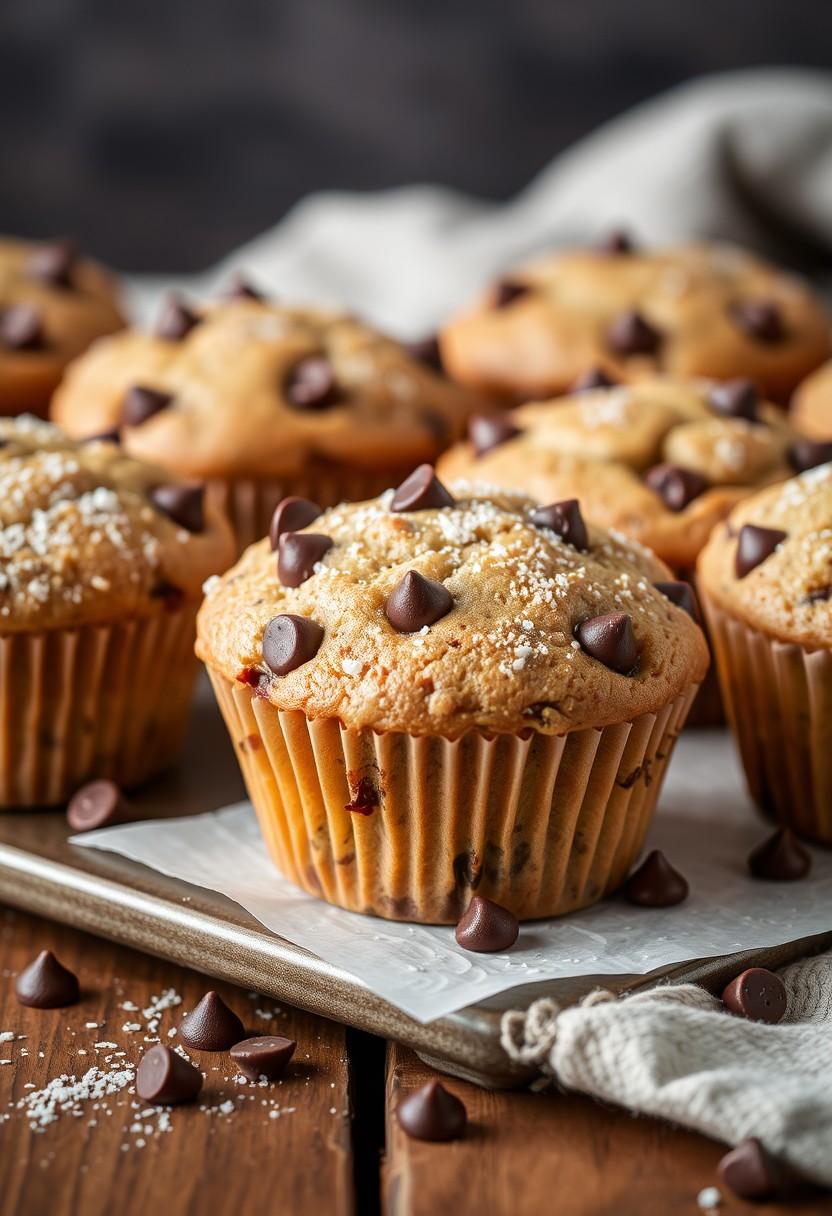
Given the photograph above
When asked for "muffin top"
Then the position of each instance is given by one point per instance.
(695, 310)
(811, 407)
(663, 460)
(247, 387)
(770, 564)
(88, 535)
(417, 612)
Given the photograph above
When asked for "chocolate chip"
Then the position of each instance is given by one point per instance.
(630, 334)
(165, 1078)
(809, 453)
(656, 884)
(141, 403)
(239, 288)
(297, 555)
(264, 1055)
(211, 1026)
(291, 515)
(53, 263)
(755, 544)
(98, 804)
(506, 291)
(421, 490)
(610, 640)
(750, 1172)
(760, 320)
(487, 431)
(416, 601)
(565, 519)
(617, 240)
(111, 436)
(682, 595)
(594, 377)
(677, 487)
(780, 858)
(311, 385)
(735, 399)
(289, 642)
(427, 351)
(486, 927)
(432, 1113)
(176, 320)
(47, 984)
(21, 328)
(756, 994)
(182, 503)
(819, 595)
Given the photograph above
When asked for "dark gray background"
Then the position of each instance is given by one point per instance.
(163, 133)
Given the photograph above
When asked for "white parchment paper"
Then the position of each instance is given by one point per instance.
(706, 825)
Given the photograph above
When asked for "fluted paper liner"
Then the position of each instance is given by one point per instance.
(409, 827)
(778, 698)
(96, 701)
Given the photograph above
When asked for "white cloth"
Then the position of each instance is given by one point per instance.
(675, 1052)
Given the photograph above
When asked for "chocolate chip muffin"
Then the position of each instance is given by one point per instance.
(766, 583)
(811, 411)
(102, 560)
(264, 401)
(434, 695)
(53, 304)
(695, 310)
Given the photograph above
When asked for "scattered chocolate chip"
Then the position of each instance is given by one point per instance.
(750, 1172)
(421, 490)
(289, 642)
(53, 263)
(682, 595)
(98, 804)
(756, 994)
(297, 555)
(111, 436)
(416, 601)
(735, 399)
(141, 403)
(239, 288)
(506, 291)
(610, 640)
(755, 544)
(656, 884)
(47, 984)
(677, 487)
(427, 351)
(311, 385)
(818, 595)
(182, 503)
(630, 334)
(486, 927)
(176, 320)
(808, 454)
(760, 320)
(780, 858)
(487, 431)
(617, 240)
(565, 519)
(165, 1078)
(21, 328)
(264, 1055)
(594, 377)
(211, 1026)
(291, 515)
(432, 1113)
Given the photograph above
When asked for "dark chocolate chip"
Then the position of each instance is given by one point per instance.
(565, 519)
(735, 399)
(292, 514)
(98, 804)
(756, 994)
(594, 377)
(819, 595)
(289, 642)
(176, 320)
(311, 384)
(239, 288)
(610, 640)
(487, 431)
(421, 490)
(630, 334)
(182, 503)
(297, 555)
(53, 263)
(141, 403)
(506, 291)
(760, 320)
(427, 351)
(755, 544)
(677, 487)
(165, 1078)
(750, 1172)
(211, 1026)
(432, 1113)
(780, 858)
(21, 328)
(486, 927)
(809, 453)
(682, 595)
(617, 240)
(47, 984)
(656, 884)
(111, 436)
(416, 601)
(264, 1055)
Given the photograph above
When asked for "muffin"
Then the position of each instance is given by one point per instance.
(53, 304)
(766, 586)
(433, 696)
(102, 560)
(811, 411)
(263, 401)
(694, 310)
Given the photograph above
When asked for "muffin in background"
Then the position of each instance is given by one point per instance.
(262, 401)
(430, 697)
(53, 304)
(102, 560)
(811, 408)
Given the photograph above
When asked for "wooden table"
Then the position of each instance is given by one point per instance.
(323, 1141)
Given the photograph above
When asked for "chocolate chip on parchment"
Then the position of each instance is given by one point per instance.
(290, 641)
(176, 320)
(506, 291)
(182, 503)
(809, 453)
(735, 399)
(760, 320)
(263, 1055)
(417, 601)
(677, 487)
(165, 1078)
(630, 334)
(291, 515)
(487, 431)
(141, 403)
(617, 240)
(421, 490)
(98, 804)
(211, 1025)
(682, 595)
(311, 384)
(565, 519)
(749, 1171)
(53, 263)
(426, 350)
(610, 640)
(21, 328)
(780, 858)
(486, 927)
(756, 994)
(432, 1113)
(754, 545)
(656, 883)
(239, 288)
(298, 553)
(594, 377)
(47, 984)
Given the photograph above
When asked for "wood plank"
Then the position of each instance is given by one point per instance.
(284, 1147)
(528, 1153)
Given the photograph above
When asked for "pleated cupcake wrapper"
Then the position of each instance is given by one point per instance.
(97, 701)
(409, 827)
(778, 698)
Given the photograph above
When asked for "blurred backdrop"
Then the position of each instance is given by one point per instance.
(164, 134)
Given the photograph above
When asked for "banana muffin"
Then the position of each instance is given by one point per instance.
(434, 695)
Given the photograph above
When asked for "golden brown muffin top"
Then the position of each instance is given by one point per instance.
(88, 535)
(251, 388)
(405, 614)
(692, 310)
